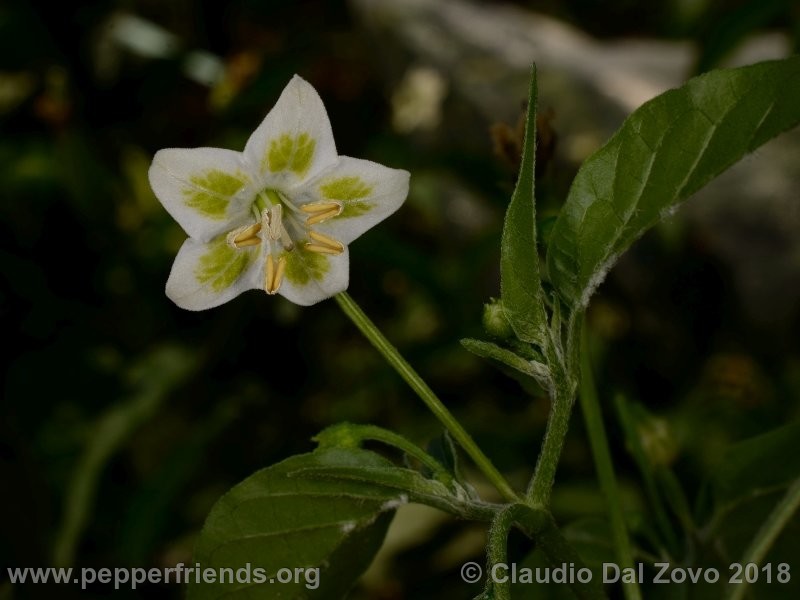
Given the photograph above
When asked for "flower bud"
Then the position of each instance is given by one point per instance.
(495, 321)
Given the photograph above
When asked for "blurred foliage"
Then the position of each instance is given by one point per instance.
(192, 403)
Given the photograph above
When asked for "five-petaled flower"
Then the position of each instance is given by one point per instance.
(276, 217)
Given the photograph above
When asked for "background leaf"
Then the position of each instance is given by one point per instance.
(758, 465)
(154, 379)
(664, 152)
(520, 284)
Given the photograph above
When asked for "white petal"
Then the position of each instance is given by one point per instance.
(312, 277)
(206, 190)
(205, 275)
(294, 141)
(368, 192)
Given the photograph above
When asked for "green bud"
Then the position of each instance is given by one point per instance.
(495, 321)
(340, 435)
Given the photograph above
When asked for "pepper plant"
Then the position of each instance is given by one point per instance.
(278, 217)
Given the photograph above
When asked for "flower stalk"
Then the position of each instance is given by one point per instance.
(410, 376)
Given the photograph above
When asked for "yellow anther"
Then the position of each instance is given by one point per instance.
(269, 275)
(244, 236)
(324, 216)
(252, 241)
(279, 273)
(321, 206)
(330, 245)
(322, 249)
(273, 276)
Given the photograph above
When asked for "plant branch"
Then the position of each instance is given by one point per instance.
(562, 400)
(547, 464)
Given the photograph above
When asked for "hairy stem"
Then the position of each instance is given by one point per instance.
(446, 418)
(557, 425)
(539, 525)
(562, 398)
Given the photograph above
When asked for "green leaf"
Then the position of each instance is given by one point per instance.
(665, 151)
(444, 451)
(409, 485)
(351, 435)
(276, 519)
(520, 283)
(537, 370)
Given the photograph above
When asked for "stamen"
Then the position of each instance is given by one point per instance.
(269, 275)
(320, 206)
(322, 249)
(279, 273)
(324, 216)
(273, 276)
(244, 236)
(334, 246)
(253, 241)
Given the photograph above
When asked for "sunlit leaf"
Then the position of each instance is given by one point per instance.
(664, 152)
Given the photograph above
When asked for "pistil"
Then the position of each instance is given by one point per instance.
(273, 220)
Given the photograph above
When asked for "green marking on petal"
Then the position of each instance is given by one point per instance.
(211, 192)
(349, 191)
(292, 153)
(355, 209)
(345, 188)
(222, 265)
(303, 266)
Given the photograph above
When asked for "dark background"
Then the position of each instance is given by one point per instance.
(124, 418)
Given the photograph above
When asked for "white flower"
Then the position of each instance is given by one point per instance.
(276, 217)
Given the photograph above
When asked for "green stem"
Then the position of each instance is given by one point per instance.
(497, 550)
(557, 425)
(446, 418)
(563, 397)
(767, 535)
(539, 525)
(605, 469)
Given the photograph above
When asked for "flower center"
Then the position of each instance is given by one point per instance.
(278, 228)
